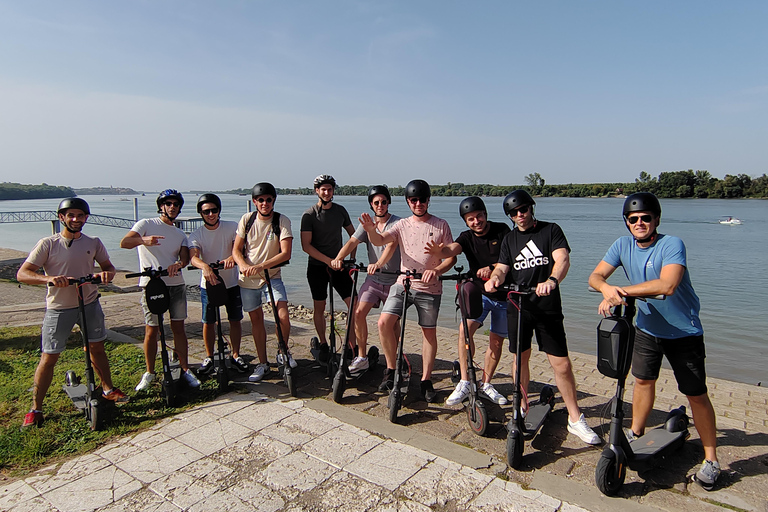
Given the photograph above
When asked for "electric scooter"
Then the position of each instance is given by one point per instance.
(343, 374)
(217, 297)
(402, 377)
(158, 302)
(477, 415)
(85, 397)
(288, 376)
(615, 342)
(520, 427)
(331, 364)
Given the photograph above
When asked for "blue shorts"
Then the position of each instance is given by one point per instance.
(253, 298)
(234, 306)
(427, 305)
(498, 311)
(58, 323)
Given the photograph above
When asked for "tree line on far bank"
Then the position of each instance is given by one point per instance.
(43, 191)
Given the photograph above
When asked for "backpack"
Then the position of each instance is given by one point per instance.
(275, 230)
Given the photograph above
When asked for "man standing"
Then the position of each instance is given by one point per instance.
(65, 255)
(412, 234)
(161, 244)
(536, 255)
(481, 245)
(263, 243)
(376, 287)
(212, 242)
(656, 264)
(321, 239)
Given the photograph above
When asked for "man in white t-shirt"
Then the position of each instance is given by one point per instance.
(263, 243)
(210, 243)
(161, 244)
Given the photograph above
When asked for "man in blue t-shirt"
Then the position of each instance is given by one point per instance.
(656, 264)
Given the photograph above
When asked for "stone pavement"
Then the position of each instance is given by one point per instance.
(557, 468)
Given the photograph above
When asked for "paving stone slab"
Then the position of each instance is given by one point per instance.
(226, 404)
(215, 436)
(38, 504)
(16, 492)
(496, 497)
(261, 414)
(70, 471)
(389, 464)
(164, 459)
(258, 496)
(93, 491)
(295, 473)
(444, 483)
(342, 492)
(340, 446)
(251, 454)
(142, 500)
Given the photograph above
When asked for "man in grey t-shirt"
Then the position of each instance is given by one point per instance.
(380, 258)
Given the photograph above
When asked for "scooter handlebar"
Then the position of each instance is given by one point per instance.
(90, 278)
(149, 272)
(409, 274)
(640, 297)
(219, 265)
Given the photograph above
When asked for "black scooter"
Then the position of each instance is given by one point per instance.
(331, 364)
(615, 342)
(288, 376)
(520, 427)
(85, 397)
(343, 374)
(402, 377)
(217, 297)
(158, 302)
(477, 415)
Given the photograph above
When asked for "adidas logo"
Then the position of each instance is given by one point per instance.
(530, 257)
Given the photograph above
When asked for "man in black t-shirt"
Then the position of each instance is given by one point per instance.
(481, 245)
(536, 255)
(321, 239)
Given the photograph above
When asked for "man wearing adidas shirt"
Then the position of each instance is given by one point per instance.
(536, 254)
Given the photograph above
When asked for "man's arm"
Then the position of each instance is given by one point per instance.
(134, 239)
(559, 271)
(307, 247)
(108, 271)
(27, 274)
(498, 276)
(196, 261)
(286, 246)
(374, 236)
(348, 248)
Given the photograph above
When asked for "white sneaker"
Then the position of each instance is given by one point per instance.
(581, 429)
(459, 394)
(190, 379)
(494, 396)
(291, 361)
(146, 380)
(259, 372)
(359, 364)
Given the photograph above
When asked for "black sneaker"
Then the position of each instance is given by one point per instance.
(207, 367)
(428, 391)
(238, 364)
(325, 353)
(388, 382)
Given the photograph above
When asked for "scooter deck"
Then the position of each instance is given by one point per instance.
(77, 394)
(535, 418)
(655, 444)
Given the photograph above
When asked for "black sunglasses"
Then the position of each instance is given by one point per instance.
(265, 199)
(645, 218)
(522, 209)
(380, 203)
(172, 204)
(414, 200)
(212, 211)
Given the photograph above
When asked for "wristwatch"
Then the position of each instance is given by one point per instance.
(551, 278)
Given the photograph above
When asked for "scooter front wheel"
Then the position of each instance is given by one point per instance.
(288, 378)
(394, 404)
(373, 357)
(515, 446)
(339, 385)
(480, 422)
(96, 410)
(608, 477)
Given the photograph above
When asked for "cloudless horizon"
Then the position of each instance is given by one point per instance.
(220, 95)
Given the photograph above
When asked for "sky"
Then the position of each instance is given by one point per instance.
(218, 95)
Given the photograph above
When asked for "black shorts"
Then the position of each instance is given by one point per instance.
(318, 276)
(549, 329)
(685, 355)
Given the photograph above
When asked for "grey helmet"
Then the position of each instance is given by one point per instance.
(324, 179)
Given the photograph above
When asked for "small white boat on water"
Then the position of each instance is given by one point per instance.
(731, 221)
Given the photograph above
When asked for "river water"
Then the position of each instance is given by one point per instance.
(728, 264)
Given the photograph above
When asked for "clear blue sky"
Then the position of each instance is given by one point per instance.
(191, 95)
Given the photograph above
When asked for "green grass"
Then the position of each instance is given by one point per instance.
(65, 431)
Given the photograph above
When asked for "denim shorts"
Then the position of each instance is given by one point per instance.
(234, 306)
(427, 305)
(498, 311)
(373, 292)
(253, 298)
(685, 355)
(58, 323)
(177, 309)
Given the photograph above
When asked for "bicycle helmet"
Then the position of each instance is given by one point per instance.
(208, 198)
(379, 190)
(325, 179)
(169, 193)
(642, 202)
(74, 202)
(471, 204)
(516, 199)
(263, 189)
(418, 188)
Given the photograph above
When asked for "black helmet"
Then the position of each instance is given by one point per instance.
(642, 202)
(208, 198)
(516, 199)
(325, 179)
(169, 193)
(471, 204)
(379, 190)
(418, 188)
(263, 189)
(76, 203)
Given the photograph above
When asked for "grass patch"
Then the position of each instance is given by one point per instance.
(65, 431)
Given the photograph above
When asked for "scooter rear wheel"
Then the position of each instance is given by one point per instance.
(480, 423)
(339, 385)
(547, 395)
(606, 478)
(456, 372)
(96, 412)
(515, 446)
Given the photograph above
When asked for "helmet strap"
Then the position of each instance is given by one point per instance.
(649, 238)
(211, 223)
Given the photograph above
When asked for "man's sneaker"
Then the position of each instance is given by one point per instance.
(459, 394)
(325, 353)
(359, 364)
(630, 434)
(33, 418)
(707, 475)
(491, 394)
(238, 364)
(146, 380)
(190, 379)
(115, 395)
(581, 429)
(291, 361)
(388, 382)
(428, 391)
(207, 366)
(259, 372)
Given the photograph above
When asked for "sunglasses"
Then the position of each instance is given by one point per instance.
(645, 218)
(265, 200)
(522, 209)
(414, 200)
(173, 204)
(212, 211)
(380, 203)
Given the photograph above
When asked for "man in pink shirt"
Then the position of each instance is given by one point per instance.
(411, 235)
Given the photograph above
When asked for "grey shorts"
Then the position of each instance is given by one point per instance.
(177, 310)
(58, 323)
(427, 305)
(373, 292)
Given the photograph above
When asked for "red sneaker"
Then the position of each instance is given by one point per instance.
(117, 396)
(33, 418)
